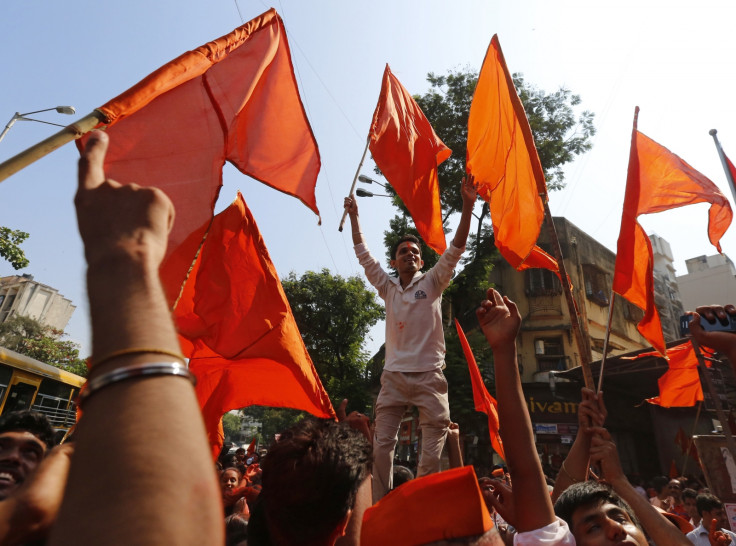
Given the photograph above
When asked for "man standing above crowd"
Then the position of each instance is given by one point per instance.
(415, 342)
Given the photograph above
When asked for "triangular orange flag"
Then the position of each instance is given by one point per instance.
(252, 447)
(407, 150)
(680, 385)
(237, 328)
(673, 470)
(482, 399)
(658, 180)
(234, 99)
(502, 157)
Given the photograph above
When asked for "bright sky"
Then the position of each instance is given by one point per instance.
(675, 59)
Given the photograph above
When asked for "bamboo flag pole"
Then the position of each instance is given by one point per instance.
(45, 147)
(582, 342)
(355, 181)
(605, 341)
(730, 444)
(724, 162)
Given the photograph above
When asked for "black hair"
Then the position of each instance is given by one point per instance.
(29, 421)
(404, 238)
(586, 493)
(659, 483)
(707, 503)
(689, 493)
(310, 480)
(236, 529)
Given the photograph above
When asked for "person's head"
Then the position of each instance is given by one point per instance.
(406, 255)
(711, 508)
(25, 437)
(674, 488)
(402, 475)
(236, 530)
(310, 481)
(596, 515)
(240, 454)
(688, 499)
(660, 485)
(230, 479)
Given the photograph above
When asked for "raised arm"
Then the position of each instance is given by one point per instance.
(141, 472)
(723, 342)
(500, 320)
(469, 195)
(351, 204)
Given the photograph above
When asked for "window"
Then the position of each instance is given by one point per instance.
(596, 284)
(542, 282)
(631, 312)
(550, 354)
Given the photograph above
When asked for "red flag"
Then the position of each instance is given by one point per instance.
(658, 180)
(407, 150)
(252, 447)
(502, 157)
(680, 385)
(681, 440)
(233, 99)
(482, 399)
(673, 470)
(237, 328)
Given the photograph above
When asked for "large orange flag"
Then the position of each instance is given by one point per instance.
(502, 157)
(407, 150)
(482, 399)
(680, 385)
(658, 180)
(238, 330)
(233, 99)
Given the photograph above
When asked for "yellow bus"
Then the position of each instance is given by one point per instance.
(26, 383)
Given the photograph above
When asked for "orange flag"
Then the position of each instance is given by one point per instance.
(407, 150)
(680, 385)
(233, 99)
(482, 399)
(658, 180)
(502, 157)
(237, 328)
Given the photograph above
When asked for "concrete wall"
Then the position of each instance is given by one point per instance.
(21, 295)
(709, 280)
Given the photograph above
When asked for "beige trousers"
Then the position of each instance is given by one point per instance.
(428, 392)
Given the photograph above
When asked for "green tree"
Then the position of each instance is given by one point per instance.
(30, 337)
(10, 250)
(230, 425)
(334, 315)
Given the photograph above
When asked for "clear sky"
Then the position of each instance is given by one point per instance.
(674, 59)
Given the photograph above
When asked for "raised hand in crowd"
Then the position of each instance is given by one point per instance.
(723, 342)
(356, 420)
(120, 488)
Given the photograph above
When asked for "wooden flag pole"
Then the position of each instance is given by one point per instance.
(605, 341)
(729, 175)
(730, 444)
(583, 343)
(45, 147)
(355, 181)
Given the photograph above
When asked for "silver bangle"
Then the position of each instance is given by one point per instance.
(147, 369)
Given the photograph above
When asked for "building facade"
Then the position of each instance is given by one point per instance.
(709, 280)
(21, 295)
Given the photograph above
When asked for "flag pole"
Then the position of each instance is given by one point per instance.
(45, 147)
(724, 162)
(730, 444)
(583, 344)
(355, 181)
(690, 443)
(605, 341)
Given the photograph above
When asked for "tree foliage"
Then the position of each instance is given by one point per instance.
(30, 337)
(10, 251)
(230, 425)
(334, 316)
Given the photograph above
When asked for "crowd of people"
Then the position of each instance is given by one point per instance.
(138, 469)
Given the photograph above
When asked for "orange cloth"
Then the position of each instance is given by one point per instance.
(502, 157)
(238, 330)
(658, 180)
(482, 399)
(439, 506)
(233, 99)
(680, 385)
(407, 150)
(252, 447)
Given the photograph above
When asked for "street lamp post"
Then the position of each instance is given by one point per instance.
(69, 110)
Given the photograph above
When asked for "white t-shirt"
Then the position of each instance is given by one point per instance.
(556, 533)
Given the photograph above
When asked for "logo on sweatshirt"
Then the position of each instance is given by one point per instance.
(420, 295)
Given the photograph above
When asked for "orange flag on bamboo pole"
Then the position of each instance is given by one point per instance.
(408, 152)
(482, 399)
(237, 328)
(658, 180)
(502, 157)
(234, 99)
